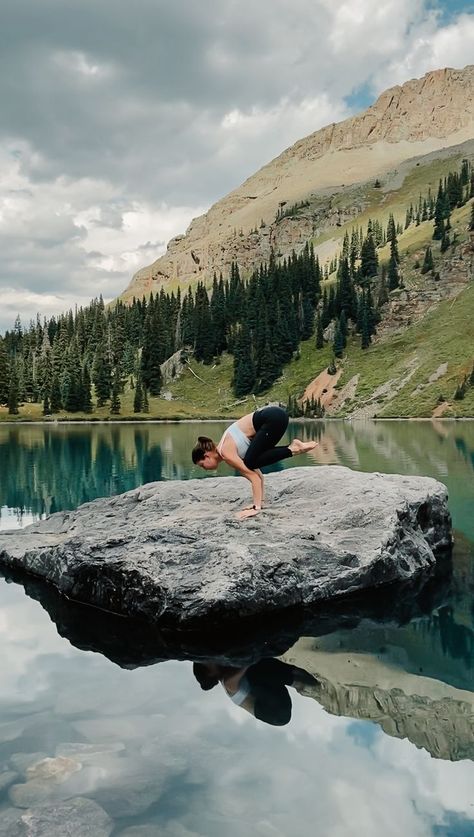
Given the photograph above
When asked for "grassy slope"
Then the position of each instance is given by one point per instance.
(444, 335)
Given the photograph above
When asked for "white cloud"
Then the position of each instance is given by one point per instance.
(80, 64)
(120, 141)
(364, 27)
(278, 127)
(75, 237)
(430, 49)
(28, 303)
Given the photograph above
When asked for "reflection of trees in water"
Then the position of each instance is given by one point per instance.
(456, 640)
(63, 470)
(440, 635)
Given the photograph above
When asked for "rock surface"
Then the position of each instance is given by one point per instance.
(174, 552)
(79, 817)
(129, 645)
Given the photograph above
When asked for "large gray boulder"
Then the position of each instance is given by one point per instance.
(174, 552)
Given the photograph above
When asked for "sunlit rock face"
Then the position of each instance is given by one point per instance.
(174, 552)
(433, 715)
(420, 117)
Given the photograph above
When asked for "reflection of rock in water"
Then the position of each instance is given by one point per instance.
(344, 655)
(432, 715)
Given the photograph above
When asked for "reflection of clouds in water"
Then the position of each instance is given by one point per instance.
(439, 785)
(26, 636)
(212, 767)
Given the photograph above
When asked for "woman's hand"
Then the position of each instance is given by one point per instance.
(242, 515)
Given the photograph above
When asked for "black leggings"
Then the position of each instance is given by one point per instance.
(270, 424)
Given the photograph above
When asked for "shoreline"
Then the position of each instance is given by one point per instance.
(298, 420)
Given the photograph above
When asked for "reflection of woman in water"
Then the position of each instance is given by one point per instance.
(249, 444)
(259, 688)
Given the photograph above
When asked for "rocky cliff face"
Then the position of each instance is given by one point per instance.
(433, 715)
(419, 117)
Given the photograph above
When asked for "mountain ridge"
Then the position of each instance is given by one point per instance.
(418, 117)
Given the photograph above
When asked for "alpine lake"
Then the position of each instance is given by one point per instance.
(377, 739)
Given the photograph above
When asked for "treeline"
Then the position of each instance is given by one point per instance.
(67, 361)
(285, 211)
(84, 359)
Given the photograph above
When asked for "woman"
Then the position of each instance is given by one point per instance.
(260, 689)
(247, 445)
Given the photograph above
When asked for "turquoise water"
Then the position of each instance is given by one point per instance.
(381, 735)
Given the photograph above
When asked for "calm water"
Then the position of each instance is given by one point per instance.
(381, 736)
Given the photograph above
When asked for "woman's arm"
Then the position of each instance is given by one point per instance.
(257, 471)
(230, 455)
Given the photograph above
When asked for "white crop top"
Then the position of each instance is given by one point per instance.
(241, 440)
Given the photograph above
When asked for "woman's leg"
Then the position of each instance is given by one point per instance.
(270, 424)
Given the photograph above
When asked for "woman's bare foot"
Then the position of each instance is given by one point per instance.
(297, 446)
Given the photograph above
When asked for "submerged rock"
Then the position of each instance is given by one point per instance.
(81, 817)
(7, 778)
(174, 552)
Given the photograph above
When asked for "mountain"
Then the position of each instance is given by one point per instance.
(434, 715)
(420, 120)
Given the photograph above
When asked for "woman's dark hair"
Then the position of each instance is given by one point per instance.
(206, 681)
(203, 445)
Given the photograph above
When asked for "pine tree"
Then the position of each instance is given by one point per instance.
(46, 405)
(383, 297)
(145, 406)
(138, 397)
(392, 231)
(345, 289)
(428, 263)
(371, 312)
(13, 398)
(244, 369)
(101, 375)
(319, 333)
(392, 273)
(471, 222)
(4, 373)
(365, 330)
(71, 384)
(439, 214)
(115, 401)
(268, 369)
(87, 405)
(343, 327)
(218, 315)
(152, 352)
(55, 403)
(204, 335)
(325, 312)
(369, 259)
(338, 345)
(29, 389)
(307, 325)
(445, 242)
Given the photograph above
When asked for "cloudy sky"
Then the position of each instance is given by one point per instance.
(120, 122)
